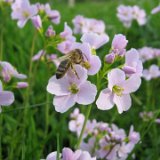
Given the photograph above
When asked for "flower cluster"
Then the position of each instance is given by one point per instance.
(127, 14)
(85, 25)
(121, 82)
(103, 140)
(23, 11)
(68, 154)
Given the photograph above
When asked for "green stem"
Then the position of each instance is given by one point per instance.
(1, 46)
(84, 126)
(46, 113)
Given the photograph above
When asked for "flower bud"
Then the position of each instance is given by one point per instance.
(37, 22)
(50, 32)
(110, 58)
(22, 85)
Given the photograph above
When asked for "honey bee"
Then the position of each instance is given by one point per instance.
(68, 61)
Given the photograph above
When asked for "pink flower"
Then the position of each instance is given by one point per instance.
(23, 11)
(119, 44)
(133, 64)
(118, 91)
(92, 62)
(125, 15)
(69, 90)
(155, 10)
(8, 71)
(95, 40)
(6, 97)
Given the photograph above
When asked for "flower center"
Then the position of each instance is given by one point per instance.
(26, 14)
(73, 88)
(93, 51)
(118, 90)
(86, 65)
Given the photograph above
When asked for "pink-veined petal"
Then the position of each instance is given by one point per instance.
(6, 98)
(105, 100)
(131, 84)
(115, 76)
(95, 64)
(123, 102)
(87, 93)
(59, 87)
(63, 103)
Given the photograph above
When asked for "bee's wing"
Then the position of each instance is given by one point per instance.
(67, 56)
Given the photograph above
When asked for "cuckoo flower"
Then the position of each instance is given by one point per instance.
(69, 90)
(95, 40)
(68, 154)
(23, 11)
(133, 64)
(118, 91)
(125, 15)
(8, 71)
(92, 62)
(6, 97)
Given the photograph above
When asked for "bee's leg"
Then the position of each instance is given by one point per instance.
(73, 69)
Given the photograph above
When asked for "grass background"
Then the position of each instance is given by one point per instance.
(30, 133)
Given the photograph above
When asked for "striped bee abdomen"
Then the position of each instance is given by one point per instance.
(62, 68)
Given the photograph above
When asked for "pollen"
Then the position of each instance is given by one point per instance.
(73, 88)
(118, 90)
(86, 65)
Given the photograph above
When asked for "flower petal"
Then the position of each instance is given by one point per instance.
(115, 77)
(87, 93)
(82, 74)
(95, 64)
(63, 103)
(95, 40)
(131, 84)
(105, 100)
(123, 102)
(59, 87)
(6, 98)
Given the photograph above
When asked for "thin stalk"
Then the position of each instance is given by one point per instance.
(46, 113)
(84, 126)
(1, 45)
(27, 98)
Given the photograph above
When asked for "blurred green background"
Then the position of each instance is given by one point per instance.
(30, 134)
